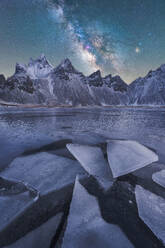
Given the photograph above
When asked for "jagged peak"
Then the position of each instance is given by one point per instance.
(109, 76)
(20, 68)
(37, 68)
(95, 79)
(42, 57)
(66, 66)
(162, 67)
(96, 74)
(2, 77)
(118, 79)
(153, 73)
(41, 60)
(66, 62)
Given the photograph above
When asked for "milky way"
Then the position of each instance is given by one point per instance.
(125, 37)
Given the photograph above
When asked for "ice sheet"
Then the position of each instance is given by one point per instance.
(159, 178)
(126, 156)
(40, 237)
(43, 171)
(86, 227)
(151, 210)
(93, 161)
(11, 206)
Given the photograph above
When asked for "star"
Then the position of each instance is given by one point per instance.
(137, 50)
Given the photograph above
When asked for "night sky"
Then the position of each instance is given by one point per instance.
(125, 37)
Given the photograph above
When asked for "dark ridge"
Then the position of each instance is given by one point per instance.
(50, 147)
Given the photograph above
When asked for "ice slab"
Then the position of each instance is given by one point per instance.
(12, 206)
(86, 227)
(40, 237)
(43, 171)
(151, 210)
(51, 176)
(93, 161)
(126, 156)
(159, 178)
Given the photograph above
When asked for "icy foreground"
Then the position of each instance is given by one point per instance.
(41, 237)
(92, 160)
(152, 211)
(86, 227)
(41, 83)
(41, 171)
(127, 156)
(34, 186)
(42, 205)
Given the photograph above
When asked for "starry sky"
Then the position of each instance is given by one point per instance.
(124, 37)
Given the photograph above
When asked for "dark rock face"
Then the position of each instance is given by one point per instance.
(2, 81)
(150, 89)
(95, 79)
(118, 84)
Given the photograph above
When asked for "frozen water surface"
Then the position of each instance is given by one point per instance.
(48, 180)
(40, 237)
(22, 129)
(29, 131)
(125, 156)
(159, 178)
(12, 206)
(43, 171)
(151, 210)
(93, 161)
(86, 227)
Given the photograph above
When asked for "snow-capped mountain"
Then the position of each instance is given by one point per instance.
(40, 83)
(108, 90)
(149, 90)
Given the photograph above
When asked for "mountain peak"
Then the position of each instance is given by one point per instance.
(162, 67)
(118, 79)
(41, 60)
(109, 76)
(95, 79)
(35, 69)
(20, 68)
(42, 56)
(95, 75)
(67, 66)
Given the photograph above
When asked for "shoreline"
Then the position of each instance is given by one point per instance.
(38, 106)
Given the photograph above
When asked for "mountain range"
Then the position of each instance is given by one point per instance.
(41, 83)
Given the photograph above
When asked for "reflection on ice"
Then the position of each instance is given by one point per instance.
(126, 156)
(85, 226)
(93, 161)
(151, 210)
